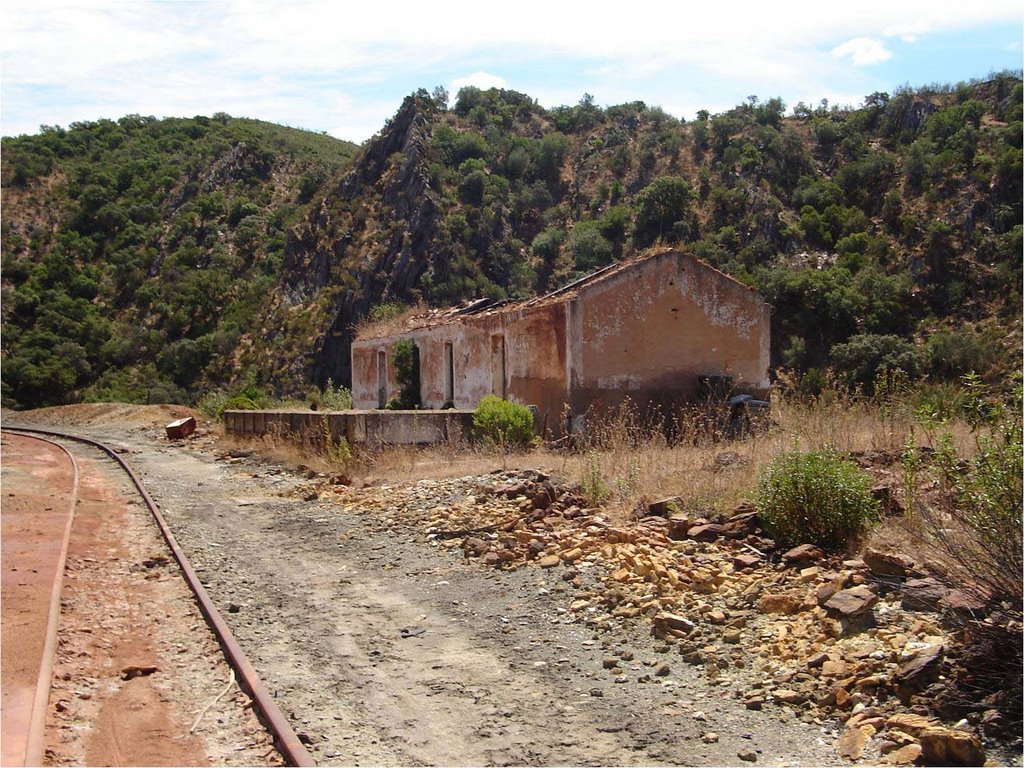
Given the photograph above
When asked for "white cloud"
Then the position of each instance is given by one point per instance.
(329, 65)
(863, 51)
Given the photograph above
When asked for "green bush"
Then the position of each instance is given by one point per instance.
(504, 423)
(815, 497)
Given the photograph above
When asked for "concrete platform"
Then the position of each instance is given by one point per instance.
(370, 428)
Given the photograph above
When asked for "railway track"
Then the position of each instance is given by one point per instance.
(285, 739)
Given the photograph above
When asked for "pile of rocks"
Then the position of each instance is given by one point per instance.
(822, 637)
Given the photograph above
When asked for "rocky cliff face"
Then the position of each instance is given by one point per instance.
(366, 242)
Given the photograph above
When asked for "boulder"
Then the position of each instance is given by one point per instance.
(944, 746)
(964, 601)
(905, 755)
(708, 532)
(887, 563)
(908, 722)
(922, 670)
(803, 554)
(852, 603)
(924, 594)
(852, 742)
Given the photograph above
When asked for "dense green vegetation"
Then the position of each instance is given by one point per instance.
(137, 254)
(503, 423)
(816, 497)
(159, 257)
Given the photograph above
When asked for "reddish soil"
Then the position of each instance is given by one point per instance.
(37, 482)
(138, 678)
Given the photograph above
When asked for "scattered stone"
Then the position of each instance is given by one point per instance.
(852, 603)
(908, 722)
(923, 669)
(671, 621)
(810, 573)
(710, 738)
(887, 563)
(745, 561)
(852, 742)
(803, 554)
(754, 702)
(779, 603)
(943, 746)
(787, 696)
(922, 594)
(829, 588)
(707, 532)
(833, 668)
(549, 561)
(963, 601)
(610, 663)
(534, 548)
(747, 755)
(905, 755)
(817, 660)
(474, 547)
(572, 555)
(663, 670)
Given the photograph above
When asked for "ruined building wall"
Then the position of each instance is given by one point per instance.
(517, 354)
(649, 333)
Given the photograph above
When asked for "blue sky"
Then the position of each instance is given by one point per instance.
(334, 67)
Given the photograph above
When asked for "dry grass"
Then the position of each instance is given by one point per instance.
(623, 464)
(389, 326)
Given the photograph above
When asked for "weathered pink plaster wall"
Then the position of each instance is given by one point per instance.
(647, 331)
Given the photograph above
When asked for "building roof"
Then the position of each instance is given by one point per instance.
(420, 318)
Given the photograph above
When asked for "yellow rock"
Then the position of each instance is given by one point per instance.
(572, 555)
(852, 742)
(905, 755)
(910, 723)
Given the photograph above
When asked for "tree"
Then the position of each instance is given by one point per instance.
(661, 205)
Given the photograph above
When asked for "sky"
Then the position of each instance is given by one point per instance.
(343, 68)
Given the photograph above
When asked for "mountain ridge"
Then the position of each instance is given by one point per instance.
(885, 236)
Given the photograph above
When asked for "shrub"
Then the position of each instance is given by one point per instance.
(815, 497)
(503, 423)
(973, 528)
(406, 355)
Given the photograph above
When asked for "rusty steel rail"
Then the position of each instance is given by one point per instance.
(277, 724)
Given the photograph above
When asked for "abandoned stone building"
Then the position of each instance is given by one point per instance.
(656, 329)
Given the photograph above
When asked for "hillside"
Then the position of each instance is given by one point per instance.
(137, 253)
(884, 236)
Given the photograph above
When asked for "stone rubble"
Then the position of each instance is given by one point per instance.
(811, 635)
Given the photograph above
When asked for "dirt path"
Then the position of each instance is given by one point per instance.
(387, 649)
(135, 662)
(37, 485)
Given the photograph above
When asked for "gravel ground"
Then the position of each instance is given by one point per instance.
(386, 648)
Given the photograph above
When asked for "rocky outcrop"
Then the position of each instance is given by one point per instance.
(367, 241)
